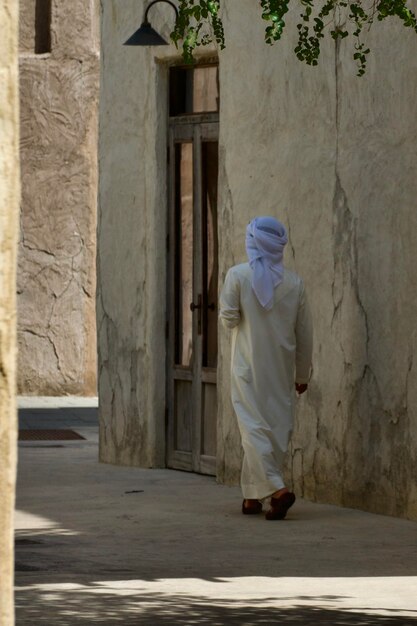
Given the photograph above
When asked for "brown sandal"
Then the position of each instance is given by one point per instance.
(253, 508)
(280, 506)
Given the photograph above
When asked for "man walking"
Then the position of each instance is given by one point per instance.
(266, 306)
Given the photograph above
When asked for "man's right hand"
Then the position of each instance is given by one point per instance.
(301, 388)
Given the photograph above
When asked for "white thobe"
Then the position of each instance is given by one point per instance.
(271, 350)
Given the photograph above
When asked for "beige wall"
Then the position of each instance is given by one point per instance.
(9, 206)
(335, 159)
(333, 156)
(131, 247)
(56, 277)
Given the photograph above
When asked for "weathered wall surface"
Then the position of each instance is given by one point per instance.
(132, 220)
(56, 278)
(131, 246)
(331, 155)
(335, 158)
(278, 128)
(9, 207)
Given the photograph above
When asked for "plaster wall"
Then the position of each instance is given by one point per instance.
(56, 277)
(132, 221)
(9, 206)
(334, 157)
(131, 244)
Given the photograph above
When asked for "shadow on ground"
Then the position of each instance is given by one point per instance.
(94, 542)
(93, 605)
(39, 418)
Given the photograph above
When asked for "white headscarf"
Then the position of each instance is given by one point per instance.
(265, 241)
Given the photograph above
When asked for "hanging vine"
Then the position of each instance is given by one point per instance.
(193, 16)
(199, 23)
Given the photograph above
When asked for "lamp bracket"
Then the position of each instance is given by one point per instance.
(156, 2)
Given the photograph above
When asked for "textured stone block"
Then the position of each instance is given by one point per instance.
(56, 280)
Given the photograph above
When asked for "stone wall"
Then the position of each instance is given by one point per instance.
(56, 277)
(331, 155)
(9, 207)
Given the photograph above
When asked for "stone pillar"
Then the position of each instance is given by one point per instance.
(9, 204)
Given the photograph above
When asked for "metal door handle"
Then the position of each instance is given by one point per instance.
(197, 307)
(212, 306)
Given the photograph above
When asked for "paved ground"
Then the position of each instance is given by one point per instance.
(98, 544)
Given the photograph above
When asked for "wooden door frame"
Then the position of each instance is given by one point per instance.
(194, 128)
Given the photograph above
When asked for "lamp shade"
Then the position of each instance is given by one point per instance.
(146, 36)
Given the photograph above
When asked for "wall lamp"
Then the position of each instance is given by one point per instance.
(146, 35)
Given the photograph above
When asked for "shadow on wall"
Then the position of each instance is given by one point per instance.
(90, 604)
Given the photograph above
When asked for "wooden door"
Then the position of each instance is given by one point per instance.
(192, 294)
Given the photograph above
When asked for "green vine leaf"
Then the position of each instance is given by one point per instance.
(193, 16)
(199, 23)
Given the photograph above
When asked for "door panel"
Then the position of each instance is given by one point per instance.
(210, 251)
(208, 444)
(183, 416)
(184, 257)
(192, 296)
